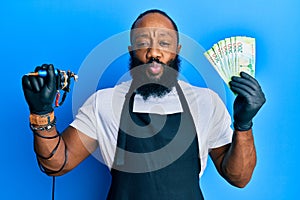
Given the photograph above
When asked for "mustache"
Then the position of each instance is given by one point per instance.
(155, 60)
(135, 62)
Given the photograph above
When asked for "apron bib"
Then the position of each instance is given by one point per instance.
(144, 169)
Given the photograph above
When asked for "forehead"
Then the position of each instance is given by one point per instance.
(156, 23)
(154, 20)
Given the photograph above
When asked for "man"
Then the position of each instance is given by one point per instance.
(154, 132)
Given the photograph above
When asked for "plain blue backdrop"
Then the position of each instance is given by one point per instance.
(34, 32)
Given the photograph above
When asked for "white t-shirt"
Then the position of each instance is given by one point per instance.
(100, 115)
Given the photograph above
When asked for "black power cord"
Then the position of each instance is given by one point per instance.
(53, 187)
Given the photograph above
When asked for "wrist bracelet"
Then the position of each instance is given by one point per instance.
(47, 127)
(41, 120)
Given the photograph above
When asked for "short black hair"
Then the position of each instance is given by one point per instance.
(159, 12)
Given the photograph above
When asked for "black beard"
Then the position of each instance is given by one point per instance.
(146, 86)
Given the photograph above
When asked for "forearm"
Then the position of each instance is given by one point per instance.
(60, 154)
(240, 160)
(51, 151)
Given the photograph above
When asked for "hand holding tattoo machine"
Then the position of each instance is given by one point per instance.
(43, 85)
(63, 82)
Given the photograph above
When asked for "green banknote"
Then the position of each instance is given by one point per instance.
(246, 54)
(215, 62)
(232, 55)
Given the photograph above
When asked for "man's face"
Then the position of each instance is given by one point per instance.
(154, 47)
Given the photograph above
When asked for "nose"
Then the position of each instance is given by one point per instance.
(153, 52)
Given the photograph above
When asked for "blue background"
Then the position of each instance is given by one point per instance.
(64, 32)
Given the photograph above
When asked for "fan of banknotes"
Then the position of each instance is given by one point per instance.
(233, 55)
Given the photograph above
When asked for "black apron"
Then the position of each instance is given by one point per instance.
(161, 157)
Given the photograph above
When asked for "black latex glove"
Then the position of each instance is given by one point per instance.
(249, 100)
(39, 91)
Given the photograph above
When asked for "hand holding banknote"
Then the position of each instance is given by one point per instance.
(249, 100)
(234, 60)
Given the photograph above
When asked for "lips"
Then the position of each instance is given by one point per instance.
(155, 68)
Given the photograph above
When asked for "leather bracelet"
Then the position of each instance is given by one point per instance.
(41, 120)
(43, 128)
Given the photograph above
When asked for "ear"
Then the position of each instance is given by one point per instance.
(130, 50)
(178, 49)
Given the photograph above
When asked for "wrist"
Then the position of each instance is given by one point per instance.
(47, 127)
(38, 128)
(41, 111)
(41, 120)
(242, 126)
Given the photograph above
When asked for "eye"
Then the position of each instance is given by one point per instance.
(142, 44)
(164, 44)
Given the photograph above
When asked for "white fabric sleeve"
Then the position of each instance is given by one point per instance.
(85, 120)
(219, 124)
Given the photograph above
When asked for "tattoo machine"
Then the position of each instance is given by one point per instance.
(63, 82)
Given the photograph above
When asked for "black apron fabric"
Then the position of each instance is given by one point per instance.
(178, 180)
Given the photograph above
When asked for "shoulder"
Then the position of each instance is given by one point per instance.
(195, 93)
(108, 102)
(119, 91)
